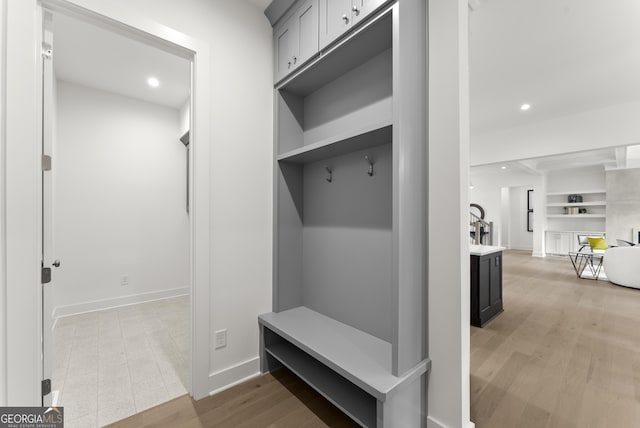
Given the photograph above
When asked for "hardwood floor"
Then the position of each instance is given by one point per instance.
(565, 352)
(280, 400)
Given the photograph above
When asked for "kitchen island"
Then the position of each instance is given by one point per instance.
(486, 283)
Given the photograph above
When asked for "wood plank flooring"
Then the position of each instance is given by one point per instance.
(565, 352)
(278, 400)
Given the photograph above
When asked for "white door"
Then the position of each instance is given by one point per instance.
(47, 210)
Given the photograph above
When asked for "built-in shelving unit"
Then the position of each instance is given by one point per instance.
(350, 167)
(565, 223)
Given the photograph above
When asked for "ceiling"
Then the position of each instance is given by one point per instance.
(560, 56)
(98, 58)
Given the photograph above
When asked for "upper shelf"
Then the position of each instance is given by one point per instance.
(578, 204)
(370, 136)
(577, 192)
(370, 40)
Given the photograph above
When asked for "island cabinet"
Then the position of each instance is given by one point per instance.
(349, 310)
(486, 287)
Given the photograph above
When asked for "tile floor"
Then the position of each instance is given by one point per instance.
(111, 364)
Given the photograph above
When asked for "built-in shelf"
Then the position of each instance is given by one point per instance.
(576, 192)
(578, 204)
(576, 216)
(359, 357)
(370, 136)
(359, 405)
(369, 41)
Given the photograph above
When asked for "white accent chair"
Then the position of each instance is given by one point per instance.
(621, 266)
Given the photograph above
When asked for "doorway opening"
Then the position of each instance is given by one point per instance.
(116, 316)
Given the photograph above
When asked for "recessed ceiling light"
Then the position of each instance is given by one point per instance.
(153, 82)
(503, 167)
(525, 107)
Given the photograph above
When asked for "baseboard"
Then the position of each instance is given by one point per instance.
(232, 376)
(433, 423)
(98, 305)
(538, 254)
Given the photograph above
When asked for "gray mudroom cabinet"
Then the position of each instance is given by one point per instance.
(296, 39)
(350, 204)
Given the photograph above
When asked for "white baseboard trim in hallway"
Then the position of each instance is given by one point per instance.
(98, 305)
(433, 423)
(232, 376)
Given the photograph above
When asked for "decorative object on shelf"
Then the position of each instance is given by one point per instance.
(571, 210)
(582, 211)
(529, 210)
(574, 199)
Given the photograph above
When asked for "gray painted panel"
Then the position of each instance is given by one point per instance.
(288, 275)
(407, 407)
(277, 9)
(307, 18)
(347, 240)
(363, 95)
(341, 144)
(371, 39)
(290, 121)
(410, 183)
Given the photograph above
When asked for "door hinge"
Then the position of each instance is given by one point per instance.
(47, 51)
(46, 163)
(45, 275)
(46, 387)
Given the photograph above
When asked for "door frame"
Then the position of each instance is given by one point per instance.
(22, 220)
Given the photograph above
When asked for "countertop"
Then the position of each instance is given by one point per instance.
(483, 250)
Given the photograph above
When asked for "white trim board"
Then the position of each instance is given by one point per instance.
(433, 423)
(234, 375)
(132, 299)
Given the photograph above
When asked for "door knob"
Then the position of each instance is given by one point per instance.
(356, 10)
(56, 263)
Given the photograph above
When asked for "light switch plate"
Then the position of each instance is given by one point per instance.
(221, 338)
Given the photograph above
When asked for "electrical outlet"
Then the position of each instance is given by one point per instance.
(221, 338)
(124, 280)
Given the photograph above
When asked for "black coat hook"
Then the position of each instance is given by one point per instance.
(370, 171)
(330, 178)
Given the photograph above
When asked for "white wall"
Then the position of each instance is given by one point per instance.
(488, 192)
(239, 90)
(623, 204)
(120, 201)
(3, 284)
(241, 163)
(448, 267)
(519, 237)
(609, 126)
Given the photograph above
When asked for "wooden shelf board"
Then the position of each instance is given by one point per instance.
(578, 204)
(372, 135)
(361, 358)
(577, 192)
(345, 395)
(576, 216)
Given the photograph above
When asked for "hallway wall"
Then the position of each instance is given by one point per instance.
(119, 204)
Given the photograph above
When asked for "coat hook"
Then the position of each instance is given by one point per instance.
(330, 178)
(370, 171)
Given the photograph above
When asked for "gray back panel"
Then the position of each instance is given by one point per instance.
(362, 95)
(347, 240)
(288, 274)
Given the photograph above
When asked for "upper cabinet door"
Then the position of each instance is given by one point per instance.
(335, 19)
(307, 24)
(362, 8)
(285, 39)
(296, 39)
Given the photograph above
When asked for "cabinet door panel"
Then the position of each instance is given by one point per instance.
(284, 41)
(307, 17)
(335, 19)
(362, 8)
